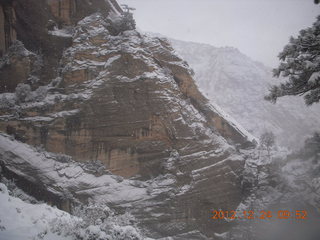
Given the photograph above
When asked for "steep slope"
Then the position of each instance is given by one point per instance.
(127, 102)
(25, 220)
(238, 84)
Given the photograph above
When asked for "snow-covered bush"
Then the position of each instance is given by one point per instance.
(124, 22)
(3, 188)
(17, 49)
(62, 157)
(95, 167)
(125, 233)
(23, 92)
(7, 100)
(100, 222)
(92, 213)
(40, 93)
(55, 82)
(33, 79)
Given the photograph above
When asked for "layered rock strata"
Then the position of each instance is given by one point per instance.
(128, 101)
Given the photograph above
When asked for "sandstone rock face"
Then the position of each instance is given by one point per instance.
(7, 31)
(63, 10)
(131, 103)
(30, 25)
(68, 12)
(2, 33)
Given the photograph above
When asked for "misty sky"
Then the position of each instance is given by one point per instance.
(259, 28)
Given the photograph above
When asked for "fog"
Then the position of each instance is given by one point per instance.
(258, 28)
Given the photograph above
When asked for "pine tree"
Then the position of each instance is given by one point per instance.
(267, 141)
(300, 63)
(123, 22)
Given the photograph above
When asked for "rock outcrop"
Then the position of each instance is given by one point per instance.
(32, 25)
(129, 102)
(7, 31)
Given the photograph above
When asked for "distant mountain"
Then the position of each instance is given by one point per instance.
(238, 84)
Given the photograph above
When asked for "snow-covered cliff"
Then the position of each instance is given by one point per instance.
(126, 101)
(238, 84)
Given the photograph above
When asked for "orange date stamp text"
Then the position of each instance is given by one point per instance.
(280, 214)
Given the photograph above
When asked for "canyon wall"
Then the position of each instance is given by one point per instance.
(128, 101)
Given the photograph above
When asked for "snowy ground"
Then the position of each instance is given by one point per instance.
(22, 220)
